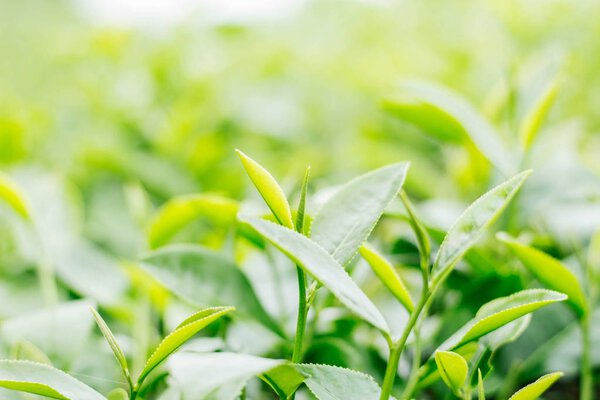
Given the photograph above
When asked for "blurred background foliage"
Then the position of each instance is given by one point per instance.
(103, 120)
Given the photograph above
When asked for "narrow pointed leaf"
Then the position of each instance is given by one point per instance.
(322, 266)
(471, 224)
(533, 120)
(185, 331)
(345, 221)
(423, 240)
(549, 271)
(480, 389)
(205, 277)
(44, 380)
(180, 211)
(388, 276)
(269, 189)
(112, 342)
(534, 390)
(300, 216)
(500, 312)
(10, 194)
(453, 369)
(453, 117)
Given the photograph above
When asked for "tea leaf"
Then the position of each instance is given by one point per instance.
(269, 189)
(25, 350)
(345, 221)
(328, 382)
(387, 275)
(180, 211)
(322, 266)
(118, 394)
(112, 342)
(470, 225)
(44, 380)
(205, 277)
(533, 120)
(185, 331)
(302, 203)
(550, 272)
(13, 197)
(480, 389)
(451, 116)
(500, 312)
(223, 375)
(423, 240)
(536, 389)
(453, 369)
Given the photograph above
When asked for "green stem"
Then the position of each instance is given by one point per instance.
(397, 347)
(302, 314)
(586, 364)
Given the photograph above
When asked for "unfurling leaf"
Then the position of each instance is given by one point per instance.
(185, 331)
(453, 369)
(269, 189)
(550, 272)
(500, 312)
(345, 221)
(44, 380)
(180, 211)
(112, 342)
(533, 120)
(423, 240)
(536, 389)
(470, 225)
(480, 389)
(387, 275)
(322, 266)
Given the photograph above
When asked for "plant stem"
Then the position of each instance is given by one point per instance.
(586, 365)
(302, 314)
(397, 347)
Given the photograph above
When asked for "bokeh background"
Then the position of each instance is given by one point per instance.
(110, 108)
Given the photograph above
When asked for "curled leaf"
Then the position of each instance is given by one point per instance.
(453, 369)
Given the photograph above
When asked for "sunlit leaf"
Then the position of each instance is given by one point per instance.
(387, 275)
(180, 211)
(534, 390)
(185, 331)
(532, 122)
(470, 225)
(322, 266)
(453, 369)
(205, 277)
(12, 195)
(549, 271)
(269, 189)
(41, 379)
(112, 342)
(500, 312)
(345, 221)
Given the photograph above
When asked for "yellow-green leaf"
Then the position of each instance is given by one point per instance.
(44, 380)
(423, 240)
(536, 389)
(453, 369)
(13, 197)
(549, 271)
(180, 211)
(185, 331)
(269, 189)
(388, 276)
(533, 120)
(480, 389)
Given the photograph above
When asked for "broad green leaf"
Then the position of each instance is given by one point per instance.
(216, 376)
(453, 369)
(269, 189)
(41, 379)
(185, 331)
(328, 382)
(470, 225)
(480, 388)
(448, 115)
(13, 197)
(322, 266)
(345, 221)
(423, 240)
(533, 120)
(112, 342)
(180, 211)
(500, 312)
(549, 271)
(388, 276)
(205, 277)
(534, 390)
